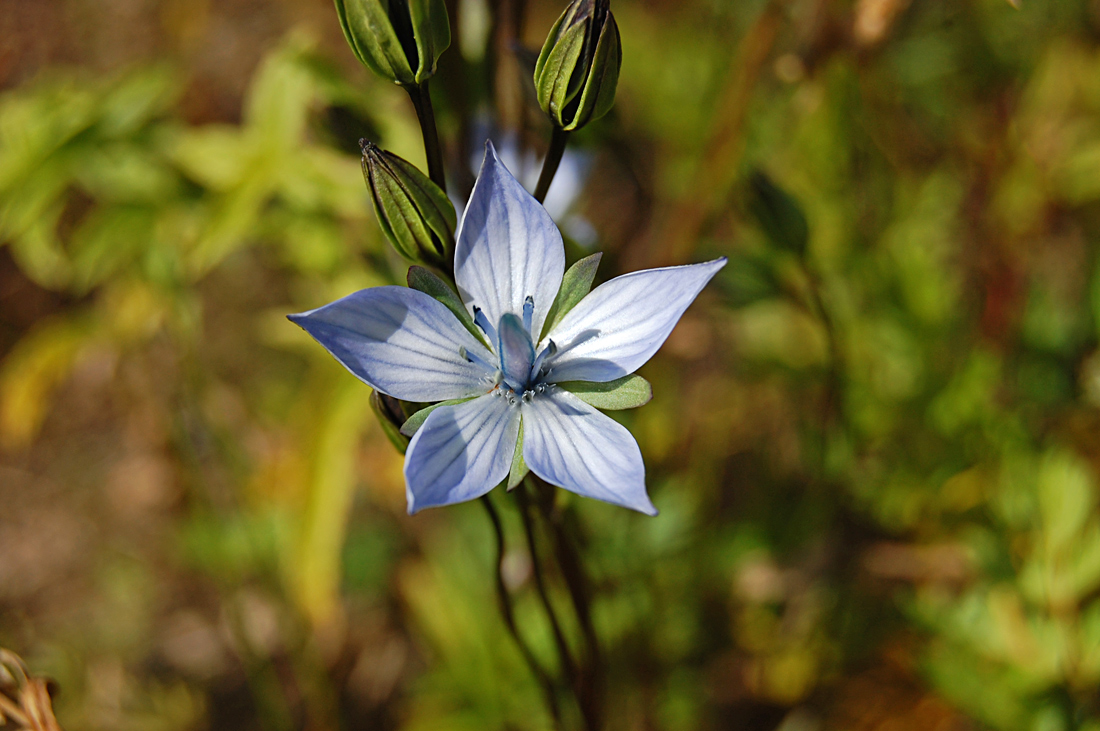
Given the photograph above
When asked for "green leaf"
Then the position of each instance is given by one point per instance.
(519, 467)
(424, 280)
(576, 283)
(627, 392)
(415, 421)
(747, 279)
(779, 214)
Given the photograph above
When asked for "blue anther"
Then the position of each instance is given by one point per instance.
(475, 359)
(547, 352)
(486, 327)
(528, 313)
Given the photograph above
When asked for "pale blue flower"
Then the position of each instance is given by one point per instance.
(509, 263)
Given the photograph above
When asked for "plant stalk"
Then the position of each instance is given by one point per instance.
(569, 667)
(558, 139)
(422, 102)
(505, 601)
(590, 687)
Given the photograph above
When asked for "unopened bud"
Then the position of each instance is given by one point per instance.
(578, 69)
(390, 416)
(416, 216)
(400, 40)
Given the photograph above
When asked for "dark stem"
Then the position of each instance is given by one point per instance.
(569, 668)
(422, 101)
(831, 403)
(591, 682)
(505, 601)
(550, 164)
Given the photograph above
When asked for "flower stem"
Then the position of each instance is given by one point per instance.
(550, 165)
(591, 681)
(569, 668)
(505, 601)
(422, 102)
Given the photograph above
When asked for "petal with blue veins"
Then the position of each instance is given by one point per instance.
(569, 443)
(508, 248)
(401, 342)
(461, 452)
(622, 323)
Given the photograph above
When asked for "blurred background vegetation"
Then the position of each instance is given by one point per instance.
(874, 441)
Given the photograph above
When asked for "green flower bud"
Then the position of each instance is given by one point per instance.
(398, 39)
(390, 416)
(578, 68)
(416, 216)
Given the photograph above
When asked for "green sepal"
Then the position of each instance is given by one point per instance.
(369, 31)
(599, 88)
(554, 69)
(386, 420)
(519, 466)
(415, 215)
(628, 392)
(577, 70)
(415, 421)
(432, 31)
(426, 281)
(384, 35)
(779, 214)
(576, 283)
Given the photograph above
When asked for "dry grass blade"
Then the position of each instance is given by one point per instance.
(24, 699)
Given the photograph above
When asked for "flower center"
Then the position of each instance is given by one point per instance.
(519, 371)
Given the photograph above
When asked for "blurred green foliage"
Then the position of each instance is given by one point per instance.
(874, 443)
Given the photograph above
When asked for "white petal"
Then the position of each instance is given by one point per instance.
(461, 452)
(569, 443)
(399, 341)
(508, 248)
(622, 323)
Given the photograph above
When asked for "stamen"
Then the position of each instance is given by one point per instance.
(483, 322)
(474, 358)
(547, 352)
(528, 314)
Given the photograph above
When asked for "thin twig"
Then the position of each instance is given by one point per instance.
(505, 601)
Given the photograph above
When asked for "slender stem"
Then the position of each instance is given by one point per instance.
(550, 165)
(833, 396)
(590, 695)
(422, 101)
(568, 666)
(505, 601)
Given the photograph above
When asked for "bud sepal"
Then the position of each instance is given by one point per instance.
(400, 40)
